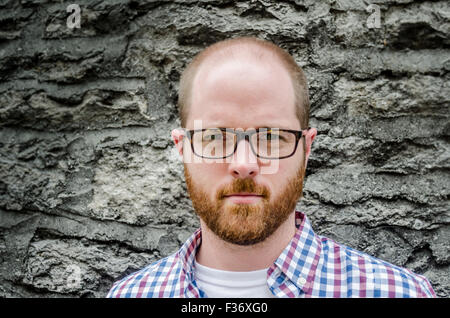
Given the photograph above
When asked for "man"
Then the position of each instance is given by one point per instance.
(245, 143)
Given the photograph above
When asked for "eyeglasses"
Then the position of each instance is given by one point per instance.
(266, 143)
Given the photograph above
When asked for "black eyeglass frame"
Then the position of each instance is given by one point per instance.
(246, 135)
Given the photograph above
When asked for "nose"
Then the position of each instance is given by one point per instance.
(244, 163)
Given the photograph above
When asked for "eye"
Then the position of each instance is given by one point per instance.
(212, 136)
(269, 136)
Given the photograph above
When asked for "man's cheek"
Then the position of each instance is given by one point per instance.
(269, 166)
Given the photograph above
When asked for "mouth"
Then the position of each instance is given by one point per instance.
(244, 194)
(243, 197)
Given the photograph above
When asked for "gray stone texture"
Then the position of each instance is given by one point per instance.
(91, 188)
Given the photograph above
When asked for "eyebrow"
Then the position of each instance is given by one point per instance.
(259, 127)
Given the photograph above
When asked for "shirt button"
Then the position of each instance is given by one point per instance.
(302, 280)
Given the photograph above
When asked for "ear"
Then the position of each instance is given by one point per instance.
(309, 137)
(177, 137)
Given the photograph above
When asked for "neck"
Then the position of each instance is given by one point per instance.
(216, 253)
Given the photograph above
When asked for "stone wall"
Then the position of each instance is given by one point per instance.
(91, 188)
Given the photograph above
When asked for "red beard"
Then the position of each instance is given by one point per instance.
(245, 224)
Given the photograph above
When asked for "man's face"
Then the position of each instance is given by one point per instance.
(234, 199)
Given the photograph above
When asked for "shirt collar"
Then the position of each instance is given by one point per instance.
(188, 251)
(298, 261)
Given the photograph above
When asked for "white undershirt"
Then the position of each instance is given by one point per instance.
(226, 284)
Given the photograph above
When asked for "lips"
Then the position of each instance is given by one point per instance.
(243, 198)
(243, 194)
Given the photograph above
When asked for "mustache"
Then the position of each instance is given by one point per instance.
(243, 185)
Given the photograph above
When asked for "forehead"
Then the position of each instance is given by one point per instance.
(243, 93)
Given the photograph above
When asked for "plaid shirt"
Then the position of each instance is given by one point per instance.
(310, 266)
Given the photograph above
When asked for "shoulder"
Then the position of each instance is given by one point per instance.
(373, 277)
(154, 280)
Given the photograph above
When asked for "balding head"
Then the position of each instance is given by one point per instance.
(244, 49)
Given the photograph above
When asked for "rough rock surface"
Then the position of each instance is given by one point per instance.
(91, 188)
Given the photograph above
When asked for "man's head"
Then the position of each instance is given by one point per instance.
(254, 49)
(244, 83)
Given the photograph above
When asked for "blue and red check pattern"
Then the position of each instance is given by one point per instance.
(310, 266)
